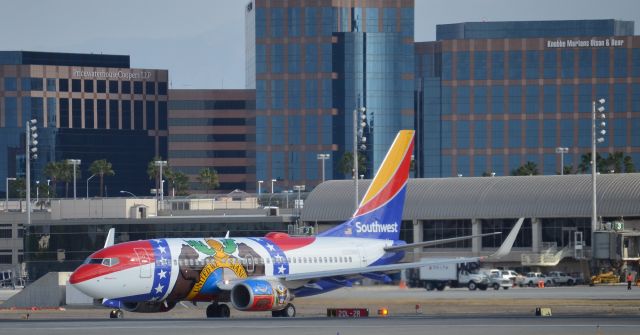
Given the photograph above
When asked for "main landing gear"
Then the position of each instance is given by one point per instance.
(216, 310)
(116, 314)
(287, 312)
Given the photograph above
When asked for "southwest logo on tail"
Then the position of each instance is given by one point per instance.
(260, 273)
(380, 212)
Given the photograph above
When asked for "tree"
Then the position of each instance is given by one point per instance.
(567, 169)
(617, 162)
(102, 168)
(209, 179)
(181, 182)
(55, 171)
(66, 175)
(528, 169)
(18, 189)
(346, 163)
(153, 170)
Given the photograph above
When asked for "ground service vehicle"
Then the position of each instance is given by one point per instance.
(533, 278)
(498, 279)
(561, 278)
(438, 276)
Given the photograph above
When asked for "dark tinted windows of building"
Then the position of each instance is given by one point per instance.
(76, 85)
(162, 88)
(113, 114)
(88, 114)
(126, 87)
(102, 113)
(137, 115)
(137, 87)
(151, 115)
(76, 113)
(150, 87)
(64, 113)
(113, 86)
(126, 114)
(63, 85)
(101, 86)
(88, 86)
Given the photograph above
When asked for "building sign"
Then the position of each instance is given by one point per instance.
(591, 43)
(113, 74)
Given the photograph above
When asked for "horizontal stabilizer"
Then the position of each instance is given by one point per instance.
(435, 242)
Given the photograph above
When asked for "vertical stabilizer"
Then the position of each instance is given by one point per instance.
(380, 212)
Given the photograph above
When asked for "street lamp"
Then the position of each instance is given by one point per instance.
(562, 151)
(600, 139)
(93, 175)
(286, 193)
(31, 149)
(6, 201)
(75, 163)
(272, 181)
(323, 157)
(298, 204)
(127, 192)
(37, 192)
(160, 164)
(260, 186)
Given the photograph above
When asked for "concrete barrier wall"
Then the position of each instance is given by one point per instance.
(48, 291)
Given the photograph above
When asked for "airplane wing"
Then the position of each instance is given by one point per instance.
(435, 242)
(375, 268)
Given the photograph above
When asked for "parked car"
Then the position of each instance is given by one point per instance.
(498, 279)
(533, 278)
(561, 278)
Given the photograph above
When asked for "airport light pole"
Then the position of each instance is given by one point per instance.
(75, 163)
(272, 181)
(127, 192)
(562, 151)
(594, 164)
(298, 204)
(93, 175)
(6, 201)
(359, 117)
(323, 157)
(31, 152)
(160, 164)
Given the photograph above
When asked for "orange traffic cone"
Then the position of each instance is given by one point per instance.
(402, 285)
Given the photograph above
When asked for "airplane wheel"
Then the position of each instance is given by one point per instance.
(212, 311)
(223, 311)
(289, 311)
(116, 314)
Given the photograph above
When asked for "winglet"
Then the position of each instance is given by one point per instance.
(110, 238)
(506, 246)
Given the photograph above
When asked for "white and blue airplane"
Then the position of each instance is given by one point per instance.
(261, 273)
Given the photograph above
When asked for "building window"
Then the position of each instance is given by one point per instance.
(497, 65)
(10, 84)
(63, 85)
(441, 229)
(102, 114)
(88, 114)
(76, 85)
(137, 115)
(101, 86)
(137, 87)
(51, 85)
(64, 113)
(113, 114)
(162, 88)
(150, 87)
(126, 87)
(126, 114)
(76, 113)
(88, 86)
(151, 115)
(113, 86)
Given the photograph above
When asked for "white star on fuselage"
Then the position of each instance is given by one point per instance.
(281, 269)
(159, 288)
(270, 247)
(162, 249)
(162, 274)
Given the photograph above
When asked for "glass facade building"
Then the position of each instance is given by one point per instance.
(213, 129)
(88, 107)
(312, 63)
(492, 96)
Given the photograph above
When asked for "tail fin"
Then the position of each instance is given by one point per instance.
(380, 212)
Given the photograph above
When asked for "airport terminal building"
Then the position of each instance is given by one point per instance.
(88, 107)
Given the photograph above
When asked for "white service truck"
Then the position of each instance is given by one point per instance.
(438, 276)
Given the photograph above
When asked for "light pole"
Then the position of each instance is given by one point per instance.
(286, 194)
(75, 163)
(6, 201)
(127, 192)
(93, 175)
(594, 165)
(358, 132)
(31, 150)
(48, 192)
(298, 204)
(160, 164)
(37, 192)
(272, 181)
(323, 157)
(562, 151)
(260, 186)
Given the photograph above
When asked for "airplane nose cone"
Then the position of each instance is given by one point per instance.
(82, 280)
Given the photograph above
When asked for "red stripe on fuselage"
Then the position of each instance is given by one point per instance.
(291, 243)
(124, 252)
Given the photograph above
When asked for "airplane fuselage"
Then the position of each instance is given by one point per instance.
(193, 268)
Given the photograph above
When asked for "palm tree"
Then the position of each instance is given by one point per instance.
(101, 167)
(528, 169)
(181, 182)
(345, 166)
(153, 170)
(66, 175)
(209, 179)
(55, 172)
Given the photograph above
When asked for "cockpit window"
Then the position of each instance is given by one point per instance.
(110, 261)
(93, 261)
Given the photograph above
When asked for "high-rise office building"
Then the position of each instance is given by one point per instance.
(88, 107)
(213, 129)
(312, 63)
(492, 96)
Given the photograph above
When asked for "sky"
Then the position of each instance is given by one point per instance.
(201, 42)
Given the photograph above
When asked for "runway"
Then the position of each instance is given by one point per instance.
(323, 326)
(578, 310)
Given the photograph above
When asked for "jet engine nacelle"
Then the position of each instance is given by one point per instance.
(148, 307)
(260, 295)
